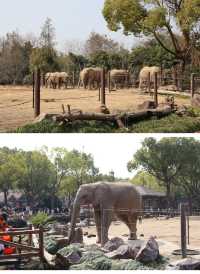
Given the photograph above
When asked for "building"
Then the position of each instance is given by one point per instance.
(153, 200)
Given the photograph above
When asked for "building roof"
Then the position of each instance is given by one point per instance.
(145, 191)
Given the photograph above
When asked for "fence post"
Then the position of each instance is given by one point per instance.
(156, 89)
(109, 82)
(41, 243)
(192, 84)
(30, 235)
(103, 87)
(33, 84)
(183, 231)
(149, 83)
(37, 93)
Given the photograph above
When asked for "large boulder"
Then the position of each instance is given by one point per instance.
(185, 264)
(113, 244)
(93, 260)
(149, 252)
(123, 252)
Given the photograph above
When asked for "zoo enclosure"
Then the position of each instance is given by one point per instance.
(33, 251)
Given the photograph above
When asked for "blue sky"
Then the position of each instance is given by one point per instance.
(73, 20)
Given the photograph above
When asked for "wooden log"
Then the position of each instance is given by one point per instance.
(183, 231)
(37, 93)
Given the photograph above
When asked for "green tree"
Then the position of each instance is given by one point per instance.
(35, 173)
(165, 160)
(179, 19)
(8, 175)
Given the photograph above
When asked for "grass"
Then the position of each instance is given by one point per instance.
(188, 123)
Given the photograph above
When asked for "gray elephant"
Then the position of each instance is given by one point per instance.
(90, 78)
(144, 76)
(108, 199)
(119, 78)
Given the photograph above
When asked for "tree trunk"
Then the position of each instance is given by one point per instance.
(168, 194)
(5, 197)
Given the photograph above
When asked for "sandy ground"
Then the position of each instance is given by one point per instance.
(16, 103)
(166, 231)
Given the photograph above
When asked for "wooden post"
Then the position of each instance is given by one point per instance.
(33, 83)
(192, 84)
(149, 83)
(73, 79)
(41, 243)
(30, 236)
(37, 93)
(103, 87)
(109, 82)
(156, 89)
(183, 231)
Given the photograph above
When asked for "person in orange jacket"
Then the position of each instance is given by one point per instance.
(6, 250)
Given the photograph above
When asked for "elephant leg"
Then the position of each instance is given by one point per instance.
(131, 222)
(105, 224)
(97, 217)
(132, 225)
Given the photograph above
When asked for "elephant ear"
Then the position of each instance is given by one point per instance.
(102, 194)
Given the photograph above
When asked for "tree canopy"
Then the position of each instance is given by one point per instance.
(179, 19)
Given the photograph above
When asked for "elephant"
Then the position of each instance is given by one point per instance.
(108, 199)
(90, 78)
(56, 80)
(119, 77)
(144, 75)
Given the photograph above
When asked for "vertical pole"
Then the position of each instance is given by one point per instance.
(73, 79)
(109, 82)
(41, 243)
(192, 84)
(183, 231)
(188, 225)
(33, 83)
(149, 83)
(103, 87)
(156, 89)
(37, 93)
(30, 236)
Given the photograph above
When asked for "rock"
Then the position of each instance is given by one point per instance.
(147, 105)
(186, 264)
(123, 252)
(113, 244)
(149, 252)
(93, 260)
(78, 236)
(195, 101)
(68, 260)
(51, 245)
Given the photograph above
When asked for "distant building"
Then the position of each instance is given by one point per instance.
(152, 199)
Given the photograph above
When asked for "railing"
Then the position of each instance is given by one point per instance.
(33, 251)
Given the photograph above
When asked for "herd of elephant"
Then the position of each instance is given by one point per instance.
(90, 78)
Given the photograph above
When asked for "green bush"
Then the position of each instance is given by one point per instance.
(39, 219)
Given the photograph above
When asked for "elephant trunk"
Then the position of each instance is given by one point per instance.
(75, 212)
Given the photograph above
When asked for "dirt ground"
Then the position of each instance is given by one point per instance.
(16, 103)
(165, 230)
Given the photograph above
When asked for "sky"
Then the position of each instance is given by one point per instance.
(73, 20)
(110, 151)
